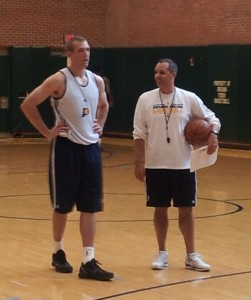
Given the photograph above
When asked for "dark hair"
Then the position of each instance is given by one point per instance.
(173, 68)
(70, 43)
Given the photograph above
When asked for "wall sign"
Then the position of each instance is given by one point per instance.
(222, 89)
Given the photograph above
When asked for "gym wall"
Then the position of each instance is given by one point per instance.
(210, 40)
(126, 23)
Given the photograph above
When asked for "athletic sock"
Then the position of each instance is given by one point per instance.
(58, 246)
(88, 254)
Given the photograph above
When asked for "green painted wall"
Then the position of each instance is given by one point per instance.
(220, 75)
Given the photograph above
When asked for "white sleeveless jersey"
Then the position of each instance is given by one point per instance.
(77, 108)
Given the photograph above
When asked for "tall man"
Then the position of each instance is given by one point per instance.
(80, 106)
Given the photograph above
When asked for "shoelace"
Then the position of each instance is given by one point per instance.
(62, 257)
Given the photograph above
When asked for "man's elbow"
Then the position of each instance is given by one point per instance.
(24, 106)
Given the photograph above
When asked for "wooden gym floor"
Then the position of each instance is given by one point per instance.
(125, 240)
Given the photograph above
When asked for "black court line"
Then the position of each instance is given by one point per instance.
(18, 172)
(118, 165)
(237, 209)
(172, 284)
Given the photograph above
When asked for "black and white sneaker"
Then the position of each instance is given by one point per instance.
(60, 263)
(91, 270)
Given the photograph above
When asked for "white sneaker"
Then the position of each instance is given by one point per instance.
(194, 261)
(160, 261)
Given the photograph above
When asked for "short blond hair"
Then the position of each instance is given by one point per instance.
(70, 44)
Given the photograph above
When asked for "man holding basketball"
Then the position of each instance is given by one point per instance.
(80, 106)
(162, 157)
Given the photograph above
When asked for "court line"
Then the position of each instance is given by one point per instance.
(237, 210)
(172, 284)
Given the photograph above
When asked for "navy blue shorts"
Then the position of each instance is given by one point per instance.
(75, 176)
(165, 185)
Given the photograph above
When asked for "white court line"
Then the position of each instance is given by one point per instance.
(19, 283)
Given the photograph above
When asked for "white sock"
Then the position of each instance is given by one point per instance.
(191, 253)
(88, 254)
(58, 246)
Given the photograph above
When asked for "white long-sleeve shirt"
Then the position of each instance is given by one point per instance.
(150, 125)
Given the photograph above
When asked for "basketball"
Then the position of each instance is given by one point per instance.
(197, 132)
